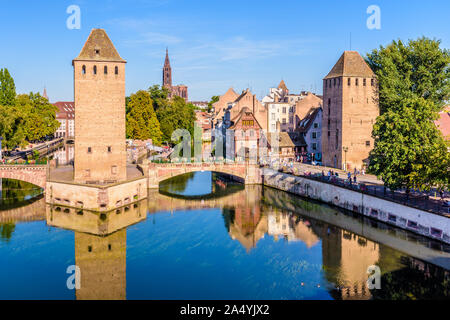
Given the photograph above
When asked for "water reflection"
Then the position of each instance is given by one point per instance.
(100, 247)
(16, 204)
(255, 243)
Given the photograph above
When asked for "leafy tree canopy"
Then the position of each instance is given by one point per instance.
(142, 122)
(214, 99)
(414, 85)
(7, 88)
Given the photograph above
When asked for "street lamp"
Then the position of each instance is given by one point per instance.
(345, 153)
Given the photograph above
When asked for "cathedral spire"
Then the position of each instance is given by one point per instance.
(44, 94)
(167, 71)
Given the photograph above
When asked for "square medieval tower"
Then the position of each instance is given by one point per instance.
(99, 85)
(350, 108)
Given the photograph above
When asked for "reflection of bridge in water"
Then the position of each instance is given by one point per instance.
(31, 210)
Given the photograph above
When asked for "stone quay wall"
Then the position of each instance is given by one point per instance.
(96, 197)
(418, 221)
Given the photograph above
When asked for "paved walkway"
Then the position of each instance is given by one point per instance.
(372, 185)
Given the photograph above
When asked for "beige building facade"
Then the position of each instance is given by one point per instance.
(99, 91)
(350, 108)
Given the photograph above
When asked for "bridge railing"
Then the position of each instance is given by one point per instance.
(23, 162)
(418, 200)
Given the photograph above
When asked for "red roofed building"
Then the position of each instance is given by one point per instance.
(66, 116)
(443, 123)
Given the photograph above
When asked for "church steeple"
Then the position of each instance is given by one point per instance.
(44, 94)
(167, 72)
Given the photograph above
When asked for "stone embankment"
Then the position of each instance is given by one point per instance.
(418, 221)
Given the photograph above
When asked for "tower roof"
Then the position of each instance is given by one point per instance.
(167, 61)
(351, 64)
(282, 85)
(99, 47)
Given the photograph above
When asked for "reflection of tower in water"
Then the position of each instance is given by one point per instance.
(100, 246)
(102, 263)
(346, 257)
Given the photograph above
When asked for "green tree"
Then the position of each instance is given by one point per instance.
(214, 99)
(38, 114)
(177, 114)
(142, 122)
(160, 96)
(31, 118)
(413, 84)
(7, 88)
(12, 127)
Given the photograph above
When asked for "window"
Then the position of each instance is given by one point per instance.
(368, 143)
(114, 169)
(348, 81)
(371, 82)
(247, 123)
(97, 51)
(314, 146)
(364, 82)
(316, 125)
(329, 134)
(314, 135)
(90, 248)
(337, 138)
(284, 120)
(334, 82)
(273, 116)
(116, 70)
(89, 150)
(87, 173)
(83, 70)
(356, 81)
(252, 133)
(109, 148)
(95, 69)
(284, 109)
(291, 120)
(105, 70)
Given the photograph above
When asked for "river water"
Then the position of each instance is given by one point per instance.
(203, 236)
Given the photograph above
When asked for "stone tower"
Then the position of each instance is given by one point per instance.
(350, 107)
(99, 85)
(167, 72)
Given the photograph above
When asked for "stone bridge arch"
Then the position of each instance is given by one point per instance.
(158, 172)
(35, 174)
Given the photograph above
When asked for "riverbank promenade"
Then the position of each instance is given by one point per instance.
(370, 184)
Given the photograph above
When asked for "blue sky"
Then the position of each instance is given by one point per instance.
(212, 44)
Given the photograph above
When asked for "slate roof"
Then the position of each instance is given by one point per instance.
(307, 122)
